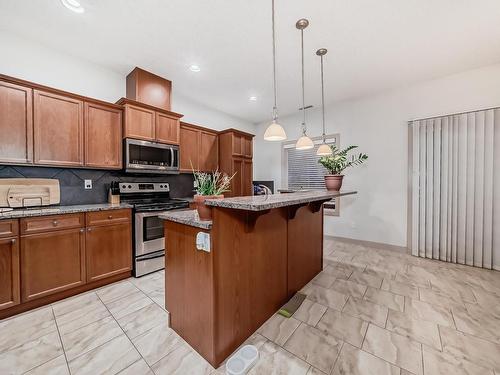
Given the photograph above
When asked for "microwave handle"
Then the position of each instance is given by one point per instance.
(172, 158)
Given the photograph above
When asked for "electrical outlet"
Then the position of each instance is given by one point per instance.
(195, 184)
(88, 184)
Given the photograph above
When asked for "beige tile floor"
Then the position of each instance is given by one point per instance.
(370, 311)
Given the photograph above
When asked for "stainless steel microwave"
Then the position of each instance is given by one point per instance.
(150, 157)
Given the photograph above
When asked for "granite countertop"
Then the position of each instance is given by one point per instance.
(266, 202)
(188, 217)
(57, 210)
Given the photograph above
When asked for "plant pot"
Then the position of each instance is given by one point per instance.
(333, 181)
(204, 211)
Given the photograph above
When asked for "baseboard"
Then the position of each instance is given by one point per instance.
(376, 245)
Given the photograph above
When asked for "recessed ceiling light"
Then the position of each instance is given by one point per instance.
(252, 98)
(194, 68)
(73, 5)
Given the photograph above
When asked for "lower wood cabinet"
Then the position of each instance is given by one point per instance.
(52, 262)
(9, 272)
(109, 250)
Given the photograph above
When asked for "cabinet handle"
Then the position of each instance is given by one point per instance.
(54, 222)
(82, 230)
(110, 217)
(13, 241)
(89, 229)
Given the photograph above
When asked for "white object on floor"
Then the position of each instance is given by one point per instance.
(242, 360)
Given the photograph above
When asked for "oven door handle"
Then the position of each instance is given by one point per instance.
(149, 257)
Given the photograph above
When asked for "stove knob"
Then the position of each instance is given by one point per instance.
(161, 186)
(124, 186)
(130, 186)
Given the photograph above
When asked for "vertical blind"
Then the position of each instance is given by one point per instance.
(455, 188)
(303, 169)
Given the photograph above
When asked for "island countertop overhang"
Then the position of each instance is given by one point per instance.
(267, 202)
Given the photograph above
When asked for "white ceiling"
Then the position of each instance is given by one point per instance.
(373, 45)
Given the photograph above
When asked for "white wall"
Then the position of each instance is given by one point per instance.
(378, 124)
(22, 58)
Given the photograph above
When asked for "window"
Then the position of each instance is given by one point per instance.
(301, 169)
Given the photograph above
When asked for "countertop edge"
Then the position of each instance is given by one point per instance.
(186, 217)
(19, 213)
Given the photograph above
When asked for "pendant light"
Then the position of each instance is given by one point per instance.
(324, 149)
(304, 142)
(274, 131)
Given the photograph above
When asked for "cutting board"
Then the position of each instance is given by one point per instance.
(29, 192)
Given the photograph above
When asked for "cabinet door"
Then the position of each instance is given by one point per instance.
(103, 136)
(139, 123)
(238, 147)
(58, 129)
(189, 149)
(208, 151)
(237, 181)
(9, 272)
(247, 182)
(247, 147)
(108, 250)
(167, 129)
(52, 262)
(16, 124)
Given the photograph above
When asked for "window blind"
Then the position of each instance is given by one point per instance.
(304, 171)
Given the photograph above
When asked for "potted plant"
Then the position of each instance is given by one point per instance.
(209, 186)
(336, 163)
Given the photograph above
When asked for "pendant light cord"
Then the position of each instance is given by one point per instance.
(275, 108)
(303, 89)
(323, 98)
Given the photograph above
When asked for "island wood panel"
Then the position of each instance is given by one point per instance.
(250, 273)
(16, 123)
(58, 129)
(139, 123)
(108, 250)
(189, 288)
(9, 272)
(103, 136)
(52, 262)
(305, 252)
(167, 129)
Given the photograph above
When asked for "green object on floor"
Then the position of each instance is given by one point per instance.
(292, 305)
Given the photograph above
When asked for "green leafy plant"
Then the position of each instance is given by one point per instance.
(214, 183)
(339, 160)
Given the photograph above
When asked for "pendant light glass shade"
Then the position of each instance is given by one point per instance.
(304, 143)
(275, 132)
(324, 150)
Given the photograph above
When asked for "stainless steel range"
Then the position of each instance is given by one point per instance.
(148, 200)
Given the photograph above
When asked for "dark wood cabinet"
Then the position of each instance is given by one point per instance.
(198, 148)
(108, 250)
(167, 129)
(58, 129)
(16, 123)
(103, 136)
(9, 264)
(235, 157)
(52, 262)
(139, 123)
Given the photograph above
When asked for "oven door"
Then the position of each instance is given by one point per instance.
(150, 157)
(149, 236)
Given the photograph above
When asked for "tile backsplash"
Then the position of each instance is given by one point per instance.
(73, 191)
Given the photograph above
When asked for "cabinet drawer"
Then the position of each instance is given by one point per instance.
(9, 228)
(49, 223)
(108, 217)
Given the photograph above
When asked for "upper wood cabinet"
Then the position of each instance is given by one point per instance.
(9, 264)
(149, 123)
(198, 148)
(16, 123)
(58, 129)
(167, 129)
(235, 157)
(103, 136)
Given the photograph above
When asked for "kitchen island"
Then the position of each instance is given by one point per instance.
(256, 253)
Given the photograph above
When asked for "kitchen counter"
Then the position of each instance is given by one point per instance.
(226, 279)
(57, 210)
(188, 217)
(267, 202)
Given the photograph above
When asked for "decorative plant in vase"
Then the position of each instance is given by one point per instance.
(337, 162)
(209, 186)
